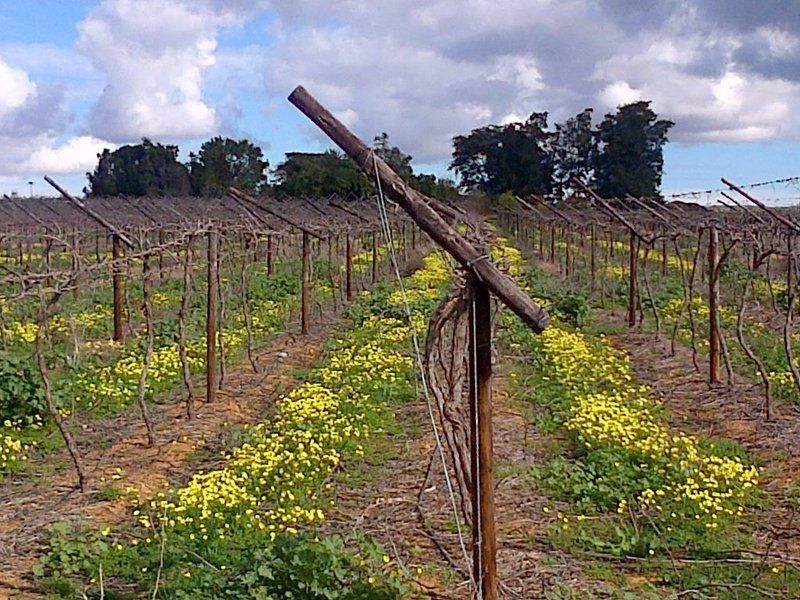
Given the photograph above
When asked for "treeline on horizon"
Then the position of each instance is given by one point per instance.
(621, 155)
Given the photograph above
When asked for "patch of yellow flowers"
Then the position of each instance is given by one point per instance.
(12, 450)
(272, 481)
(25, 331)
(608, 411)
(118, 383)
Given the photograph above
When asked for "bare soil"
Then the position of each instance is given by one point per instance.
(405, 505)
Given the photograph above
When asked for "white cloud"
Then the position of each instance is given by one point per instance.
(155, 54)
(425, 71)
(618, 93)
(421, 70)
(15, 89)
(31, 116)
(78, 154)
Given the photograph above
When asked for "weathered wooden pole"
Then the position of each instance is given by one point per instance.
(633, 260)
(269, 254)
(161, 255)
(484, 534)
(541, 239)
(374, 257)
(419, 208)
(306, 279)
(211, 315)
(592, 259)
(789, 265)
(348, 266)
(116, 283)
(713, 305)
(74, 262)
(47, 250)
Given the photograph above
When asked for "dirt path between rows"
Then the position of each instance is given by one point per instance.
(29, 504)
(386, 501)
(724, 412)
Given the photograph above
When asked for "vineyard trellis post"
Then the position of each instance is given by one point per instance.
(489, 277)
(374, 277)
(305, 284)
(117, 283)
(348, 265)
(211, 314)
(592, 265)
(484, 537)
(633, 261)
(269, 253)
(713, 304)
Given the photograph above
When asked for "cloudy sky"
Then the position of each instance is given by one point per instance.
(78, 75)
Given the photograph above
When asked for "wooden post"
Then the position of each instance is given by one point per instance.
(48, 246)
(374, 257)
(74, 263)
(541, 239)
(632, 280)
(552, 243)
(306, 278)
(421, 209)
(484, 534)
(116, 282)
(713, 305)
(348, 266)
(161, 255)
(211, 316)
(592, 260)
(789, 265)
(567, 238)
(269, 254)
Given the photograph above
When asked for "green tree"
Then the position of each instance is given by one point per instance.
(145, 169)
(222, 163)
(319, 175)
(499, 158)
(401, 163)
(574, 151)
(436, 187)
(631, 160)
(394, 157)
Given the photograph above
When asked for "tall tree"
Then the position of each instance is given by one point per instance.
(426, 183)
(319, 175)
(574, 151)
(499, 158)
(145, 169)
(436, 187)
(631, 160)
(223, 162)
(394, 157)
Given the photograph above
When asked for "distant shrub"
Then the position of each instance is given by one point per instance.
(21, 393)
(572, 307)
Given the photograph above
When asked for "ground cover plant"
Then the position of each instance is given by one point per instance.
(623, 482)
(246, 529)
